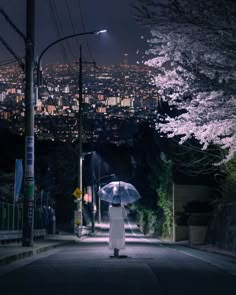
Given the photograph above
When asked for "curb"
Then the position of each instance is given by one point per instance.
(195, 247)
(31, 252)
(213, 251)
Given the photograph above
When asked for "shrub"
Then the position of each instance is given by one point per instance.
(150, 221)
(198, 220)
(198, 207)
(181, 218)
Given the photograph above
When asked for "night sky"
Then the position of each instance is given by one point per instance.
(124, 34)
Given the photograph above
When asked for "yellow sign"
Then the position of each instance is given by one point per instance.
(77, 193)
(77, 218)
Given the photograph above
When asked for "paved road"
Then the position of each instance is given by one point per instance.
(87, 267)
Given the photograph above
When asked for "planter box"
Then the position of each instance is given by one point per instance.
(197, 234)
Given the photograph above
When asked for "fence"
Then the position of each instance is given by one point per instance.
(222, 230)
(11, 217)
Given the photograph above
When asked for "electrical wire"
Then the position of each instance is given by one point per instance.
(59, 26)
(84, 29)
(58, 32)
(53, 17)
(72, 25)
(8, 47)
(12, 24)
(8, 62)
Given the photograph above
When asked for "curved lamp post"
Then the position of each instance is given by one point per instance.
(96, 32)
(39, 82)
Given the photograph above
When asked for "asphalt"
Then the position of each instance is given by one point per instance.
(14, 251)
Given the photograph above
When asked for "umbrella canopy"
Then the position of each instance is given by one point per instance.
(119, 192)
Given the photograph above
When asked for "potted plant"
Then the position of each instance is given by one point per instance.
(198, 226)
(199, 213)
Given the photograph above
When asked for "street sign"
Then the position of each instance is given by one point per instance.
(77, 193)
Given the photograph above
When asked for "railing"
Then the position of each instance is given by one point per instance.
(11, 217)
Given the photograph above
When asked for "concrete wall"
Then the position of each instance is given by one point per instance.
(187, 193)
(183, 194)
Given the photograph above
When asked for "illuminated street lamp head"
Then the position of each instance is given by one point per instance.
(101, 32)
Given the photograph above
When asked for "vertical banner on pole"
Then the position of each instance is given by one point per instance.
(29, 187)
(18, 179)
(17, 186)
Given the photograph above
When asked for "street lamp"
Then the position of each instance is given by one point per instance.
(28, 67)
(39, 82)
(96, 32)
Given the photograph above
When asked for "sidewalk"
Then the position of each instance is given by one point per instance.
(14, 251)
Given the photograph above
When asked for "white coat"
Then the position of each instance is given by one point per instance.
(117, 227)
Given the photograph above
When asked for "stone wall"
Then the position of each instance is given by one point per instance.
(222, 230)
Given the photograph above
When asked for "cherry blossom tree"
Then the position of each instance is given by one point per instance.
(193, 45)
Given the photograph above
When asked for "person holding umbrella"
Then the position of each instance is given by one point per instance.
(118, 193)
(117, 215)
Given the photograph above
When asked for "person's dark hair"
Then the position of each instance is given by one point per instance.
(116, 200)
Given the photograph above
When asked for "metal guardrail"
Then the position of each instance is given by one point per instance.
(11, 217)
(16, 235)
(11, 222)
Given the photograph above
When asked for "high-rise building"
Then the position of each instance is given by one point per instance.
(2, 96)
(126, 102)
(66, 89)
(101, 110)
(113, 100)
(11, 90)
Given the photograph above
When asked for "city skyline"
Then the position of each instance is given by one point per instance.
(113, 96)
(55, 19)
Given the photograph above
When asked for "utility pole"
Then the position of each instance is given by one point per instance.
(80, 136)
(78, 208)
(93, 196)
(28, 220)
(80, 120)
(79, 203)
(80, 156)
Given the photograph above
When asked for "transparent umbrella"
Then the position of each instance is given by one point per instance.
(119, 192)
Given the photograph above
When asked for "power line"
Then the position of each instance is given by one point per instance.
(12, 24)
(53, 17)
(72, 24)
(8, 47)
(60, 27)
(84, 29)
(8, 62)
